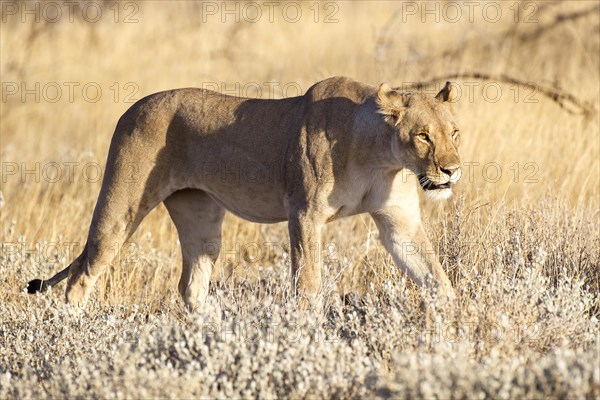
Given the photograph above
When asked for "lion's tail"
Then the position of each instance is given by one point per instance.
(40, 285)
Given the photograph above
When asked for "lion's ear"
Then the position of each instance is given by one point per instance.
(391, 103)
(448, 93)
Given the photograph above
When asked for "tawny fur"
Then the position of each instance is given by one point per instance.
(342, 149)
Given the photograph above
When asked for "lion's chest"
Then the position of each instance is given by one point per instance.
(360, 192)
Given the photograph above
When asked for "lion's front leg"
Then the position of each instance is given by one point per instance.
(411, 250)
(305, 246)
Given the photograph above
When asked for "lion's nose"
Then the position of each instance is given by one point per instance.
(450, 170)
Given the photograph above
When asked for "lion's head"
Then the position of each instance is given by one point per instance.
(425, 135)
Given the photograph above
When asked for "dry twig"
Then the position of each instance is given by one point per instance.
(565, 100)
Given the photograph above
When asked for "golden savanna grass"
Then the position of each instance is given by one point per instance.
(520, 238)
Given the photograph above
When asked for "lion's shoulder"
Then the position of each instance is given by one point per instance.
(340, 86)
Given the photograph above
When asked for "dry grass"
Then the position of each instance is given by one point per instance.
(523, 250)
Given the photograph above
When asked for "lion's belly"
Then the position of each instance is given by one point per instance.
(252, 204)
(250, 187)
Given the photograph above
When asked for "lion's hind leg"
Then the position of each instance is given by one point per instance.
(198, 219)
(107, 234)
(122, 205)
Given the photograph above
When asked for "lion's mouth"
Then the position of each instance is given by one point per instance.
(427, 184)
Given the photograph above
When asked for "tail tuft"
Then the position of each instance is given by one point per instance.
(36, 285)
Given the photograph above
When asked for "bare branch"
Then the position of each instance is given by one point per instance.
(565, 100)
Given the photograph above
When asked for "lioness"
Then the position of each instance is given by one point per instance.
(341, 149)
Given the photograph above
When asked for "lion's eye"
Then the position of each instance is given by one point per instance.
(423, 137)
(454, 135)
